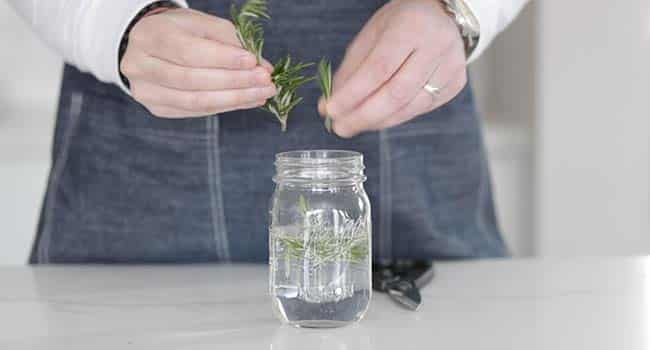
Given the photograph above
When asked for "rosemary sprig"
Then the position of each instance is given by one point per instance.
(321, 243)
(325, 80)
(287, 76)
(326, 250)
(249, 30)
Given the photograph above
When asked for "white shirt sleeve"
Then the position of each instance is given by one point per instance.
(493, 17)
(86, 33)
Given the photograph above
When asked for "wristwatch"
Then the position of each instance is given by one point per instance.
(467, 23)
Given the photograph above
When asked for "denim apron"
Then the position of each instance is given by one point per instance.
(126, 187)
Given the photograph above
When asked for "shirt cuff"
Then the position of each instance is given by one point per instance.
(104, 61)
(493, 17)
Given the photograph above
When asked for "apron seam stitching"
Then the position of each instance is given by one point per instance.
(222, 216)
(216, 197)
(482, 196)
(385, 202)
(76, 103)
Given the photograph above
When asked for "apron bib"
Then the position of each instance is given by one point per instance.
(127, 187)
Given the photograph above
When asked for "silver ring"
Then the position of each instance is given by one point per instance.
(432, 90)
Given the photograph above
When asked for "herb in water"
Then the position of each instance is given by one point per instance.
(321, 244)
(325, 250)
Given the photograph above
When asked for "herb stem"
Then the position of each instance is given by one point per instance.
(287, 76)
(325, 80)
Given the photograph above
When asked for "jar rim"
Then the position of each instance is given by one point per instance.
(319, 156)
(319, 166)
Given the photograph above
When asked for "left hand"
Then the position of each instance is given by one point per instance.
(380, 83)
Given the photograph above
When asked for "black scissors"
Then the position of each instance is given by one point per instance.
(402, 280)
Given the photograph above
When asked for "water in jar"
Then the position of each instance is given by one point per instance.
(320, 269)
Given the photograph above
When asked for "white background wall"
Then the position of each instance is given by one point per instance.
(593, 127)
(28, 91)
(569, 158)
(504, 81)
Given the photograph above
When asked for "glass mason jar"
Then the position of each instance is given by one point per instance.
(320, 260)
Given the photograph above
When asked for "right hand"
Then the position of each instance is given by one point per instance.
(183, 63)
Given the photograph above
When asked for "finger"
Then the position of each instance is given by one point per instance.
(218, 29)
(175, 113)
(250, 105)
(193, 23)
(423, 64)
(453, 65)
(267, 65)
(209, 102)
(191, 51)
(171, 112)
(211, 27)
(356, 53)
(392, 96)
(383, 61)
(160, 72)
(425, 102)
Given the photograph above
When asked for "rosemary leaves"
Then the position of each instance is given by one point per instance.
(249, 30)
(325, 248)
(287, 75)
(321, 243)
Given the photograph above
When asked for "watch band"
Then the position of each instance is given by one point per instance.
(466, 21)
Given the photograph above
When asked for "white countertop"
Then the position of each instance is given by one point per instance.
(520, 304)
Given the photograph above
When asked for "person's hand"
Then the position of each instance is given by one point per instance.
(380, 83)
(184, 63)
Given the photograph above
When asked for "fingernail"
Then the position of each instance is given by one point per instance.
(344, 134)
(268, 91)
(340, 132)
(246, 61)
(267, 66)
(262, 77)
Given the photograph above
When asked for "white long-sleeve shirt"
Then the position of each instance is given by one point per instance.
(493, 16)
(88, 33)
